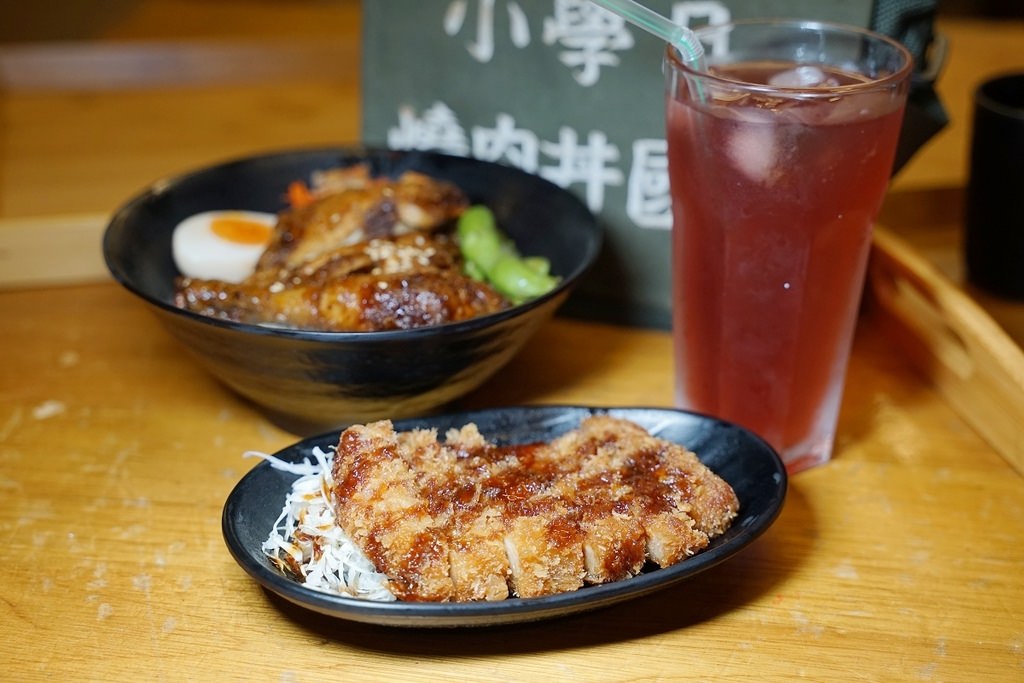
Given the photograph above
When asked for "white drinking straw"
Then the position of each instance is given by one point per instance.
(676, 35)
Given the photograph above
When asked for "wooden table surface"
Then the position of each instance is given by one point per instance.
(899, 560)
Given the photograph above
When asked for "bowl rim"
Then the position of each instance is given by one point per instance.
(162, 185)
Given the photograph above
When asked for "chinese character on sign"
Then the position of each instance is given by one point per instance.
(438, 129)
(594, 164)
(482, 48)
(697, 12)
(648, 202)
(589, 34)
(505, 142)
(587, 164)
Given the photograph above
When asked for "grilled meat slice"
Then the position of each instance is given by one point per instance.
(348, 207)
(410, 253)
(358, 254)
(358, 303)
(377, 285)
(421, 202)
(399, 302)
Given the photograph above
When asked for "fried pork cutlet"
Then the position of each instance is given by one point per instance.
(463, 519)
(388, 512)
(478, 562)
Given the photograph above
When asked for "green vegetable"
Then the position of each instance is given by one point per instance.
(538, 264)
(491, 257)
(474, 271)
(479, 238)
(516, 280)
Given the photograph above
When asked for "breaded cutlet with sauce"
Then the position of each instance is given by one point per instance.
(461, 519)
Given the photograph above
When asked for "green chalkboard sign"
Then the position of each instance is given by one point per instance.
(560, 88)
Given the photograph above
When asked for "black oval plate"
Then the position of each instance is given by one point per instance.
(750, 466)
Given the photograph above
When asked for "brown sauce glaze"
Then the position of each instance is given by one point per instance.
(584, 510)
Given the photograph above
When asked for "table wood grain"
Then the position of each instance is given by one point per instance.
(899, 560)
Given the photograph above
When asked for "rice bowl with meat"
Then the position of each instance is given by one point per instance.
(311, 380)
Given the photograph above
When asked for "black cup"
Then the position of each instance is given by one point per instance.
(994, 228)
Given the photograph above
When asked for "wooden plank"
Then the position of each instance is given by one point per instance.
(50, 251)
(99, 66)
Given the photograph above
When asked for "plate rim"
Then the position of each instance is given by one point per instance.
(511, 610)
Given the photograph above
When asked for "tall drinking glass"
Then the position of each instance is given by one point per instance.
(779, 157)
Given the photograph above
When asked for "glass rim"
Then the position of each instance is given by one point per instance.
(674, 61)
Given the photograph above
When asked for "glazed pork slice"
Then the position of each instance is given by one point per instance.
(368, 303)
(410, 253)
(348, 206)
(408, 282)
(362, 302)
(357, 253)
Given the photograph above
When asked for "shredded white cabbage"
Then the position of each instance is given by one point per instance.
(307, 540)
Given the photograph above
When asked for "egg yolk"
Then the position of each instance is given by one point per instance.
(240, 230)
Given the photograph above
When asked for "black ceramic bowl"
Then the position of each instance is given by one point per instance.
(313, 380)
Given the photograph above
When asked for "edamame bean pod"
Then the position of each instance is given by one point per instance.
(479, 238)
(516, 280)
(490, 256)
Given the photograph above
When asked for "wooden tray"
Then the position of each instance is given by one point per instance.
(948, 336)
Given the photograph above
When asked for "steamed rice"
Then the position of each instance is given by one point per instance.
(306, 541)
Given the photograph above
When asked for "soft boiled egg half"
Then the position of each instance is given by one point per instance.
(221, 245)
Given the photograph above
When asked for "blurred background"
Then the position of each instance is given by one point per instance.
(73, 20)
(198, 81)
(189, 74)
